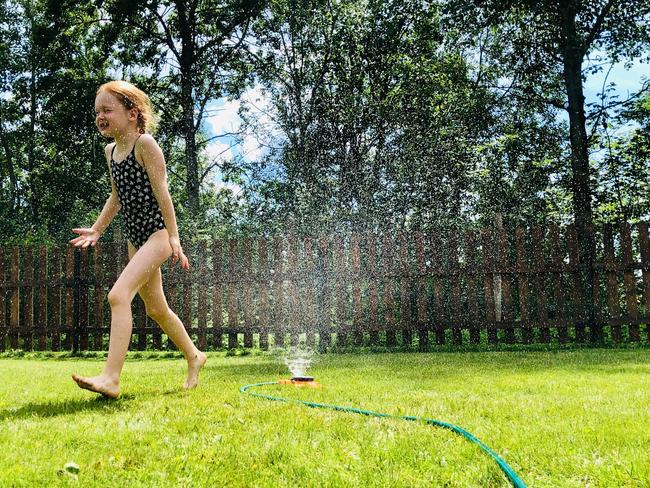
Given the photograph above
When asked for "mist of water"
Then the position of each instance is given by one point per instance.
(298, 361)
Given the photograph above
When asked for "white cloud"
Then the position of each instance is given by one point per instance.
(226, 118)
(235, 189)
(218, 151)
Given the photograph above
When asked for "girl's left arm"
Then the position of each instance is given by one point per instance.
(154, 163)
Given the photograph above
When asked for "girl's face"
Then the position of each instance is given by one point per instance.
(111, 117)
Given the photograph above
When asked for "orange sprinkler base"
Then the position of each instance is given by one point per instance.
(300, 382)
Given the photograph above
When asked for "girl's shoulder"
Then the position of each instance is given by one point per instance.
(108, 149)
(145, 144)
(145, 140)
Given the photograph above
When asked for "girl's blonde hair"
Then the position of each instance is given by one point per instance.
(132, 97)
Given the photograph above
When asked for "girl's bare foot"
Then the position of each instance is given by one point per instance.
(98, 384)
(194, 365)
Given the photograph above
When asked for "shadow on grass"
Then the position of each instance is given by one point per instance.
(66, 407)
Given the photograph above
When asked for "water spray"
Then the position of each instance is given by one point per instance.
(298, 361)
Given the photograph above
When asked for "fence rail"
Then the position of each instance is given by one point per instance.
(522, 285)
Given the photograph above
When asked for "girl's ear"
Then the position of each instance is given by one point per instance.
(133, 114)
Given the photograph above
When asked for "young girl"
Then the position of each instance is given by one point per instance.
(139, 180)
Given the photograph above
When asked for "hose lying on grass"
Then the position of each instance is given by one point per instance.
(509, 472)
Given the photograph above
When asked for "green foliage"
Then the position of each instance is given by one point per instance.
(382, 115)
(53, 168)
(624, 184)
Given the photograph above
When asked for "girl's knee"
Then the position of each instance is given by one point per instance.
(158, 313)
(118, 297)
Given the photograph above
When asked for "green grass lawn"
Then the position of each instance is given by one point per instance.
(559, 419)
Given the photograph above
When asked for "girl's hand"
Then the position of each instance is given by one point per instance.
(178, 254)
(87, 237)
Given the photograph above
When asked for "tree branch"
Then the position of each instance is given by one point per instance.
(595, 30)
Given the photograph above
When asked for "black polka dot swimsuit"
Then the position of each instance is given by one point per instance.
(139, 206)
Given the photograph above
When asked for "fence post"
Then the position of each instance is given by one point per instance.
(498, 228)
(322, 294)
(14, 298)
(3, 290)
(644, 245)
(75, 303)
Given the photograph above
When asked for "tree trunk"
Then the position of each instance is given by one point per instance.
(192, 181)
(572, 56)
(187, 28)
(31, 163)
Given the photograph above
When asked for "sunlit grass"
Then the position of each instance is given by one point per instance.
(560, 418)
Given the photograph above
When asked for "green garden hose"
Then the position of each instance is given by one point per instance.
(509, 472)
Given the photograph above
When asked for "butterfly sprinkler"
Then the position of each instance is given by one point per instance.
(298, 368)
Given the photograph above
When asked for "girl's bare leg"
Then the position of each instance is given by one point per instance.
(142, 266)
(157, 308)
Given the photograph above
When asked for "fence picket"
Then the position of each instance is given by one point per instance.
(644, 245)
(3, 292)
(613, 306)
(231, 293)
(309, 324)
(558, 293)
(69, 298)
(340, 266)
(437, 271)
(578, 315)
(458, 320)
(278, 291)
(488, 284)
(539, 269)
(629, 281)
(372, 325)
(187, 278)
(422, 292)
(27, 322)
(263, 310)
(57, 278)
(357, 325)
(293, 300)
(388, 290)
(217, 293)
(247, 284)
(98, 308)
(524, 291)
(324, 294)
(41, 285)
(470, 270)
(202, 299)
(506, 286)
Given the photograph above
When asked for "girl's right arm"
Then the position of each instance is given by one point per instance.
(89, 236)
(112, 205)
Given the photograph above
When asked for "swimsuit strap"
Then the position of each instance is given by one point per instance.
(136, 141)
(132, 150)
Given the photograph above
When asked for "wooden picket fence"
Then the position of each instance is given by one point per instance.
(453, 287)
